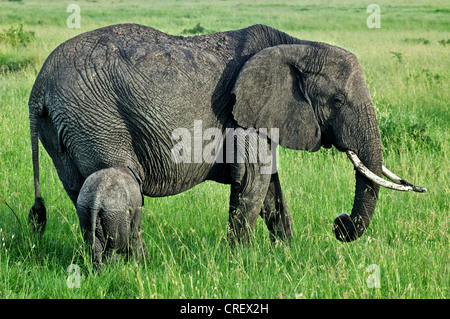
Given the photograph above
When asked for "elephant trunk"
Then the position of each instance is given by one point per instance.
(365, 142)
(367, 160)
(350, 227)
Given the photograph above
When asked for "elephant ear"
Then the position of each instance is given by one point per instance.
(270, 93)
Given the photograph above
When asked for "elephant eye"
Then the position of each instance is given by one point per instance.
(339, 99)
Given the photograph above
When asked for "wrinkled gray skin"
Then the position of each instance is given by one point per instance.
(113, 96)
(109, 209)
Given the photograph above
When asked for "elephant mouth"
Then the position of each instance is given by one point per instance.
(325, 141)
(397, 183)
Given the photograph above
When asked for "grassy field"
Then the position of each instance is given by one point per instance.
(405, 252)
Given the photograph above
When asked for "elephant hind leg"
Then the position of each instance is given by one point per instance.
(275, 211)
(97, 254)
(70, 176)
(138, 249)
(67, 170)
(93, 235)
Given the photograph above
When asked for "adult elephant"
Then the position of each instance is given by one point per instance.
(114, 97)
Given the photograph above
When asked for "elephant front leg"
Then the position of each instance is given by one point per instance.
(248, 189)
(275, 211)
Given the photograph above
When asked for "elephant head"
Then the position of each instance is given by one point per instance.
(316, 95)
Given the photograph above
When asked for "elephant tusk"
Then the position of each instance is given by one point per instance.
(373, 177)
(401, 181)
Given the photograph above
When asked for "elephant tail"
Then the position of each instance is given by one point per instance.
(38, 214)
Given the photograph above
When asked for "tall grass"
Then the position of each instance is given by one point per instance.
(406, 65)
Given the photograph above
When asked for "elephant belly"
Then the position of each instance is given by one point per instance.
(179, 179)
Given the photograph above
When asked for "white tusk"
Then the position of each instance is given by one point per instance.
(372, 176)
(391, 176)
(401, 181)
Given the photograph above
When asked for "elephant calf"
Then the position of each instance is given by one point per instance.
(109, 209)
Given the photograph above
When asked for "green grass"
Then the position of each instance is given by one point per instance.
(406, 64)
